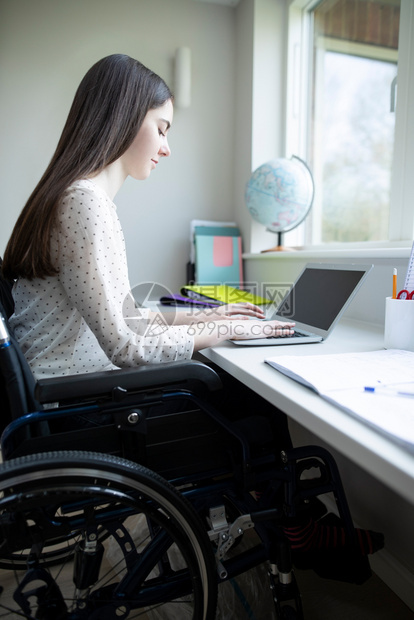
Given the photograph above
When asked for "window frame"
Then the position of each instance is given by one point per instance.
(298, 105)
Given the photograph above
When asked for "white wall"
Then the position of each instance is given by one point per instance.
(260, 85)
(46, 47)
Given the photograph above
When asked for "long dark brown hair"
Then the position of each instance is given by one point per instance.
(108, 109)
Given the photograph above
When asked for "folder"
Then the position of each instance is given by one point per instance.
(222, 293)
(216, 253)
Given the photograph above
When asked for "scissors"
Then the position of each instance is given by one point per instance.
(404, 294)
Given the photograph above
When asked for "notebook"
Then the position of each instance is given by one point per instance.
(315, 302)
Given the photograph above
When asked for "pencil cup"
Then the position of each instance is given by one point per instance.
(399, 324)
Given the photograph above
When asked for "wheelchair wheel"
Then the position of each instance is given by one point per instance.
(129, 544)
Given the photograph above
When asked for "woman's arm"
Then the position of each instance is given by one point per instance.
(211, 327)
(211, 333)
(188, 316)
(229, 322)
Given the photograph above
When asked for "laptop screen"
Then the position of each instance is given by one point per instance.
(319, 295)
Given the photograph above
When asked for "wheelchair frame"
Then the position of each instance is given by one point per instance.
(147, 507)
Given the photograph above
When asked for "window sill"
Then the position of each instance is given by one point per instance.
(359, 253)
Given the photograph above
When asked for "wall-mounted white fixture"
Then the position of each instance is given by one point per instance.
(182, 78)
(231, 3)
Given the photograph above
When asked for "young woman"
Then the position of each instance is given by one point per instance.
(73, 305)
(74, 310)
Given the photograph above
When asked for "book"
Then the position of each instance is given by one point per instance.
(218, 255)
(376, 387)
(223, 293)
(197, 224)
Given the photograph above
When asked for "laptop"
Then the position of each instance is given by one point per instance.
(315, 302)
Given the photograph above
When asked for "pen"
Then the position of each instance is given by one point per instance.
(394, 284)
(390, 391)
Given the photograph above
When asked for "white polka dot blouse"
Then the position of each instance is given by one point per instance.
(85, 319)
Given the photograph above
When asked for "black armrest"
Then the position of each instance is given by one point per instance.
(102, 383)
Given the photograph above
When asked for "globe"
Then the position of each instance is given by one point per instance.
(279, 195)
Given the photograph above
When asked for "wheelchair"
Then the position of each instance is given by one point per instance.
(126, 494)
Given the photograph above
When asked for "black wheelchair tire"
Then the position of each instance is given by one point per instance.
(75, 491)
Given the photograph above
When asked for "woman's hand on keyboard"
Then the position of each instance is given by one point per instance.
(249, 330)
(210, 333)
(240, 311)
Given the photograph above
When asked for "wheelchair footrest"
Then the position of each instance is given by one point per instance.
(346, 564)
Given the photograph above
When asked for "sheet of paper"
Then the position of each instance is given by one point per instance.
(341, 379)
(390, 413)
(409, 278)
(350, 370)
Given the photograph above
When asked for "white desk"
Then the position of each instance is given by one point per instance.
(377, 454)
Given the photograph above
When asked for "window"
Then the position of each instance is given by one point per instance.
(342, 93)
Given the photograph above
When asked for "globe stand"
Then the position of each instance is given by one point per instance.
(279, 247)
